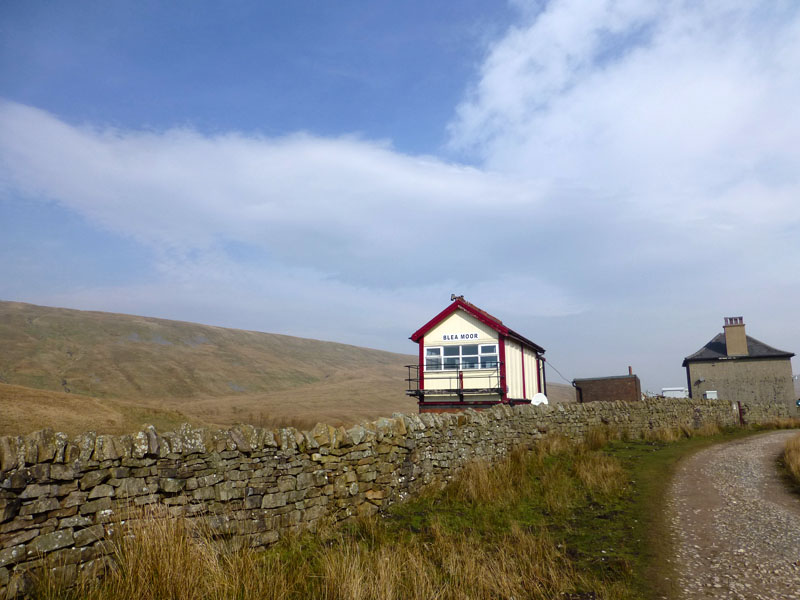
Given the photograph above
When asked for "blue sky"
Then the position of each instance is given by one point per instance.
(610, 178)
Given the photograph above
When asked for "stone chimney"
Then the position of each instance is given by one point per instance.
(735, 338)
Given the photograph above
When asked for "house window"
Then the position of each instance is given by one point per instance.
(463, 358)
(433, 359)
(489, 356)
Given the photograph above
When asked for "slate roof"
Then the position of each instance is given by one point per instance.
(716, 350)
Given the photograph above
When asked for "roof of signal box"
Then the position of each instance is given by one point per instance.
(481, 315)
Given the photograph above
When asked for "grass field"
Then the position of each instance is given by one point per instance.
(77, 370)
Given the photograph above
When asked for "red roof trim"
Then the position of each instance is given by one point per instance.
(479, 314)
(471, 309)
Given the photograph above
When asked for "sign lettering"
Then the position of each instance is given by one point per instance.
(453, 337)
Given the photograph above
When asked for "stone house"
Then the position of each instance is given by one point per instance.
(740, 368)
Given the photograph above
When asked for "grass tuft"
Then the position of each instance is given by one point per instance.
(791, 457)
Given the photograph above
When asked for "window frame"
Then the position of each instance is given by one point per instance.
(460, 356)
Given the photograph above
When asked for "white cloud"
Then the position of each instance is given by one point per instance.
(637, 169)
(677, 105)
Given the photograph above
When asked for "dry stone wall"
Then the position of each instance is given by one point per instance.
(60, 498)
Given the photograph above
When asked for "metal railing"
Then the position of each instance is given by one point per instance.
(460, 382)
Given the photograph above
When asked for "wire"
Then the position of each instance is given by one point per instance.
(557, 371)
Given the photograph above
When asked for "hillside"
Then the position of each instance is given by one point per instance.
(210, 374)
(76, 370)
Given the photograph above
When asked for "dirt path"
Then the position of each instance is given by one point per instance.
(735, 528)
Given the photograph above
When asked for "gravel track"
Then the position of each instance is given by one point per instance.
(735, 528)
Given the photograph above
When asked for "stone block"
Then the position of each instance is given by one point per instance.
(274, 500)
(105, 449)
(38, 506)
(101, 491)
(135, 487)
(52, 541)
(287, 440)
(242, 444)
(93, 478)
(225, 492)
(172, 486)
(287, 483)
(15, 481)
(36, 490)
(74, 499)
(59, 472)
(75, 521)
(9, 507)
(204, 493)
(304, 480)
(40, 472)
(208, 480)
(95, 506)
(90, 535)
(251, 502)
(12, 555)
(145, 500)
(268, 439)
(20, 585)
(20, 537)
(85, 445)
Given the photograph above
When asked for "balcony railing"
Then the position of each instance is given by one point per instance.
(459, 382)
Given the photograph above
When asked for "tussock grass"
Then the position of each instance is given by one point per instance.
(602, 475)
(557, 520)
(782, 423)
(597, 437)
(791, 457)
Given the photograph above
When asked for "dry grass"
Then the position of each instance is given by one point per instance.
(597, 437)
(791, 457)
(601, 474)
(783, 423)
(673, 434)
(167, 558)
(26, 409)
(371, 559)
(212, 375)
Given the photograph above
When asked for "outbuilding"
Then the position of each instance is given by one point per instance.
(625, 388)
(470, 359)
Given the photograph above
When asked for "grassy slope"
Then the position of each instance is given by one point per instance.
(138, 368)
(24, 409)
(211, 374)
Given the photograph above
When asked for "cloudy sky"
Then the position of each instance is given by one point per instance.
(610, 178)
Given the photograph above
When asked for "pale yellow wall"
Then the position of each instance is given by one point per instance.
(530, 374)
(514, 369)
(457, 323)
(460, 322)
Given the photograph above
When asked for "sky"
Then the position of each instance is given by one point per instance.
(611, 179)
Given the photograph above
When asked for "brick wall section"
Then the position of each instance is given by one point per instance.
(59, 497)
(626, 387)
